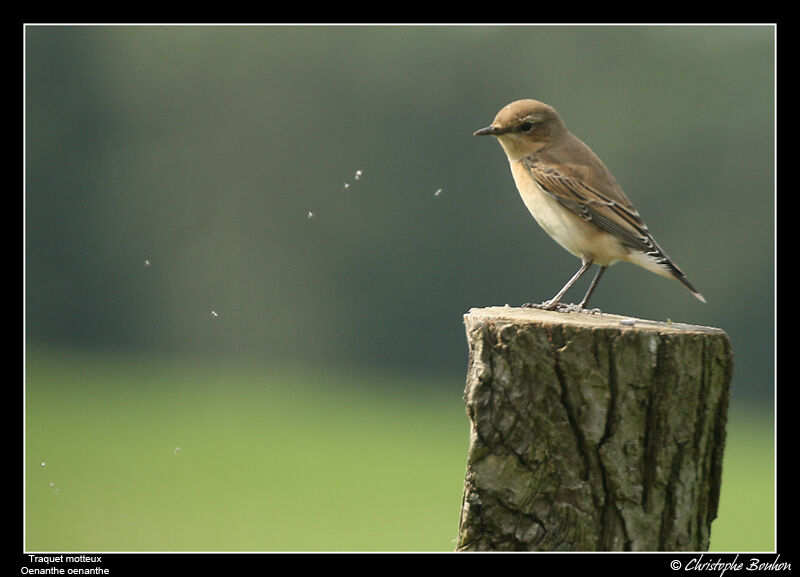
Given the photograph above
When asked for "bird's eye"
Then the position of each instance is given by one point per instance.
(525, 126)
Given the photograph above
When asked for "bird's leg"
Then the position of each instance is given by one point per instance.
(592, 286)
(554, 302)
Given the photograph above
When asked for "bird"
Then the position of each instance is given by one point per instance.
(574, 197)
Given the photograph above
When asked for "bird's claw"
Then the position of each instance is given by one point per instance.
(545, 306)
(562, 308)
(579, 308)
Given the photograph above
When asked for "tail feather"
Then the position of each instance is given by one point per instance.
(681, 277)
(657, 261)
(677, 273)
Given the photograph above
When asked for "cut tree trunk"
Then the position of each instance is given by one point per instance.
(592, 432)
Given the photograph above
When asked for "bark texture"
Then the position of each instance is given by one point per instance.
(592, 432)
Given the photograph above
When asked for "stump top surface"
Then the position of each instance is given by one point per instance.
(598, 320)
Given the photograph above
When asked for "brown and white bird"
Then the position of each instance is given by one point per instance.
(574, 197)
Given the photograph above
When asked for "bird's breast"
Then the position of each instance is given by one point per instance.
(580, 237)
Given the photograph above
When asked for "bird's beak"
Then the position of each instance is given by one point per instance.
(490, 130)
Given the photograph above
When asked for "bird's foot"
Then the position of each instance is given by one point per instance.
(545, 306)
(579, 308)
(562, 307)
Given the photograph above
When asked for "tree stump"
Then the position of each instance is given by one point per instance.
(592, 432)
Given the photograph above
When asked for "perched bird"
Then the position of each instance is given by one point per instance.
(574, 197)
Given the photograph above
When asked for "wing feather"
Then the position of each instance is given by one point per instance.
(593, 205)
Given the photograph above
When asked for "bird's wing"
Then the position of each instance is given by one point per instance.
(599, 199)
(608, 209)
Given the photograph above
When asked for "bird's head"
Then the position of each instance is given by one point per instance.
(524, 127)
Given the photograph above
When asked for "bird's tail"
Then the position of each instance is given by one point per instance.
(666, 263)
(657, 261)
(676, 272)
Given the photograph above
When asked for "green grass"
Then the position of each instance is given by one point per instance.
(746, 517)
(147, 455)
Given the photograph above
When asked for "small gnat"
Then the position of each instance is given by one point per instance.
(214, 314)
(346, 186)
(177, 450)
(358, 175)
(438, 192)
(44, 463)
(310, 215)
(147, 262)
(628, 322)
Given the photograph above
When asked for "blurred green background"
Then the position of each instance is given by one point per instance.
(234, 344)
